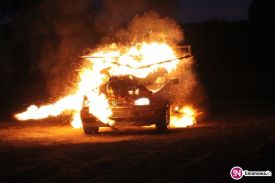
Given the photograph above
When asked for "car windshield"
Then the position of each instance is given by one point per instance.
(125, 86)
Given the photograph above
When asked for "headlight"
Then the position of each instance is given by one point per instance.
(142, 101)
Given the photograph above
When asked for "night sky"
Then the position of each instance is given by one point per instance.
(200, 10)
(196, 10)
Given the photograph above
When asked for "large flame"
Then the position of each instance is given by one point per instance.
(183, 117)
(139, 60)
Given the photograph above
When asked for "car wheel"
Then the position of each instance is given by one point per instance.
(90, 130)
(164, 119)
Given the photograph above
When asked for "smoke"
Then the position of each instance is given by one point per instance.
(150, 27)
(115, 14)
(62, 30)
(187, 91)
(66, 28)
(112, 15)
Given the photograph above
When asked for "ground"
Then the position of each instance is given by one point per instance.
(54, 152)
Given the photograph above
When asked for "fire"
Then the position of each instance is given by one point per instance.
(183, 117)
(139, 60)
(71, 102)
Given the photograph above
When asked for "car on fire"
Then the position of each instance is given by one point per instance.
(132, 104)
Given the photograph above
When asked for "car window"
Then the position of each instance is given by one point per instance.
(124, 87)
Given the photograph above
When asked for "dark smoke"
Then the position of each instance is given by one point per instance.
(150, 27)
(115, 14)
(65, 28)
(61, 30)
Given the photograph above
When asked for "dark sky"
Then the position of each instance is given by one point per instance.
(200, 10)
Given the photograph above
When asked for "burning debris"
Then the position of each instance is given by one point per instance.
(146, 50)
(183, 117)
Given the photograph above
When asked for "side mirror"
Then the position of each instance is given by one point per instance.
(173, 81)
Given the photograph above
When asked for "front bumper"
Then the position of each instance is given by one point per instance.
(130, 115)
(134, 112)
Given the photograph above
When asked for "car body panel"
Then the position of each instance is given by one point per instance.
(122, 104)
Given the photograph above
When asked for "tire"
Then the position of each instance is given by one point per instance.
(88, 130)
(164, 119)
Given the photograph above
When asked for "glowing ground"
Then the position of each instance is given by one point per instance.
(55, 153)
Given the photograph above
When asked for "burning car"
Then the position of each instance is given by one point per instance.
(132, 104)
(120, 86)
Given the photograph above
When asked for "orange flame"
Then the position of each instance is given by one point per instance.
(183, 117)
(139, 60)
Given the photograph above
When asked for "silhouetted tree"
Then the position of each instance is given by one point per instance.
(261, 11)
(9, 10)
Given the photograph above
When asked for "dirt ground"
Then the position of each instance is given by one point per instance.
(55, 152)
